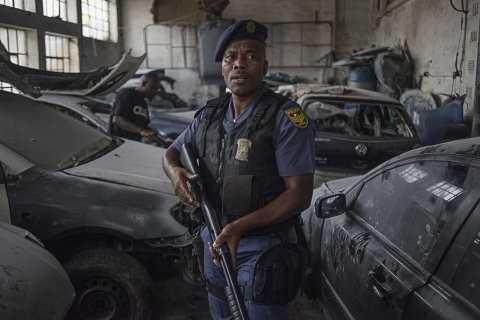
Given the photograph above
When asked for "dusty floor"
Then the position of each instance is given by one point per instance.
(177, 300)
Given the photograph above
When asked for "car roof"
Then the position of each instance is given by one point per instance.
(464, 148)
(347, 93)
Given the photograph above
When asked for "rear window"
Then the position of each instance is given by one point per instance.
(358, 119)
(45, 135)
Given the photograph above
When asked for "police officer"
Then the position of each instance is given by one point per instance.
(129, 118)
(256, 151)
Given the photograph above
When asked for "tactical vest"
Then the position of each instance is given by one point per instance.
(240, 168)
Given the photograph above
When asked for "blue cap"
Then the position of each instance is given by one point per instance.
(241, 30)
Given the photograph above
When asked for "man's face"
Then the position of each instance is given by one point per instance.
(243, 66)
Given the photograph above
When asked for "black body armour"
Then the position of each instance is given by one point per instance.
(240, 168)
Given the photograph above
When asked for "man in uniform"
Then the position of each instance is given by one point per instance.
(256, 151)
(129, 118)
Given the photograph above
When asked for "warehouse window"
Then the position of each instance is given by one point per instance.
(55, 8)
(19, 4)
(61, 53)
(28, 5)
(99, 19)
(15, 41)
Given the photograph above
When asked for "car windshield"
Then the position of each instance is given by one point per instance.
(46, 135)
(358, 119)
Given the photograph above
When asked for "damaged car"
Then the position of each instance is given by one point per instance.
(27, 270)
(101, 205)
(355, 130)
(405, 236)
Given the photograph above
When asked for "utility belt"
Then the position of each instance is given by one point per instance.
(278, 273)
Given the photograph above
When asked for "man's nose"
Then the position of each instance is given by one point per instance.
(240, 63)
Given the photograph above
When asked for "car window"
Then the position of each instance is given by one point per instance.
(46, 136)
(411, 204)
(357, 119)
(467, 278)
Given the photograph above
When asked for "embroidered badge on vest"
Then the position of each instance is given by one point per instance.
(243, 148)
(297, 117)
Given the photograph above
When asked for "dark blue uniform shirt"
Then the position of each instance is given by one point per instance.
(294, 147)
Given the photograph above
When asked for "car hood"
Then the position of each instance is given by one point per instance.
(101, 81)
(132, 163)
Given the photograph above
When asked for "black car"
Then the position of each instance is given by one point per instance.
(102, 205)
(403, 240)
(355, 130)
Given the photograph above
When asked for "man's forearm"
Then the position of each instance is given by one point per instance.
(126, 125)
(171, 160)
(285, 206)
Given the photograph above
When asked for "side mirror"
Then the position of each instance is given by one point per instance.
(330, 205)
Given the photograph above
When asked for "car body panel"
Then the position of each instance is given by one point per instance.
(344, 144)
(35, 82)
(347, 252)
(119, 187)
(122, 166)
(53, 203)
(27, 272)
(171, 124)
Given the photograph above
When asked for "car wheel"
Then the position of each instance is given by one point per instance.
(110, 285)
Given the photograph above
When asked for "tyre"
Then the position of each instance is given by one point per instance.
(110, 285)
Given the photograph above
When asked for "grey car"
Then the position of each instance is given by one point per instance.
(402, 241)
(102, 205)
(27, 271)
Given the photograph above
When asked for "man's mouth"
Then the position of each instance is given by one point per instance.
(240, 79)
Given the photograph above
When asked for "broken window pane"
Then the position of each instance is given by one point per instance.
(357, 119)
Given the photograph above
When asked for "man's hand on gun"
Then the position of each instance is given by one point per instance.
(180, 181)
(230, 235)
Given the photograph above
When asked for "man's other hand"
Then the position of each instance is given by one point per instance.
(180, 180)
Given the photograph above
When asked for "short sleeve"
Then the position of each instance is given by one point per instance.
(294, 147)
(188, 135)
(123, 104)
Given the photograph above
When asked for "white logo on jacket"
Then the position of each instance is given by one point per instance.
(140, 111)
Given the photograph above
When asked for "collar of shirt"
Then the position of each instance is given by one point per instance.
(229, 121)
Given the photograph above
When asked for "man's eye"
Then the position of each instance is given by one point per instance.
(252, 57)
(228, 57)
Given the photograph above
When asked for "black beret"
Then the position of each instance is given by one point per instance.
(241, 30)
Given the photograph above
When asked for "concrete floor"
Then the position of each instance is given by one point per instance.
(177, 300)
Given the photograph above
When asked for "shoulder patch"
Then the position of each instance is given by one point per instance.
(296, 116)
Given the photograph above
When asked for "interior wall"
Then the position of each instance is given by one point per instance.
(291, 23)
(433, 32)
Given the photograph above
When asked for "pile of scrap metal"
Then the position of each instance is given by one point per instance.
(276, 79)
(35, 82)
(385, 69)
(436, 120)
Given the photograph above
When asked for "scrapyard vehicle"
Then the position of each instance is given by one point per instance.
(27, 271)
(355, 129)
(402, 241)
(101, 205)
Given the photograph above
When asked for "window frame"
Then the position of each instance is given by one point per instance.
(446, 235)
(111, 22)
(5, 86)
(70, 59)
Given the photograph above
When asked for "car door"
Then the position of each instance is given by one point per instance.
(388, 245)
(4, 205)
(454, 291)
